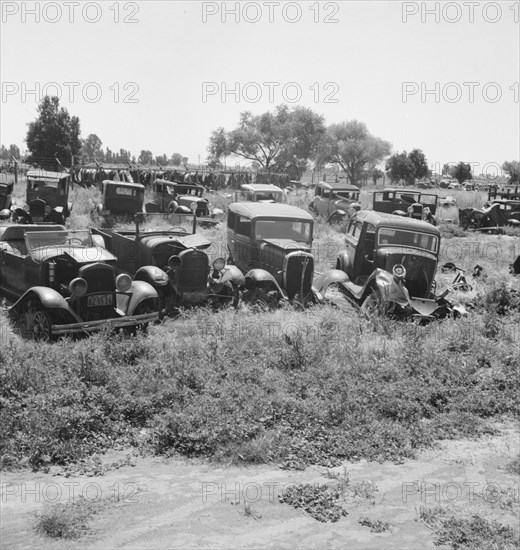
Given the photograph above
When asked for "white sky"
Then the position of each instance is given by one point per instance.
(169, 53)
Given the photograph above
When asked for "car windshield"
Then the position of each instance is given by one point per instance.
(268, 196)
(400, 237)
(178, 223)
(68, 239)
(299, 231)
(348, 195)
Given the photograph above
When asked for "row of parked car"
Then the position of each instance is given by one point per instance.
(74, 282)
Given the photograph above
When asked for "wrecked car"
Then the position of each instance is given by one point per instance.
(174, 261)
(121, 197)
(498, 213)
(271, 244)
(405, 202)
(64, 283)
(391, 263)
(259, 192)
(335, 201)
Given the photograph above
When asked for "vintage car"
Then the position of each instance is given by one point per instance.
(6, 190)
(335, 201)
(64, 283)
(403, 201)
(498, 213)
(174, 262)
(391, 262)
(47, 198)
(259, 192)
(169, 196)
(271, 244)
(121, 197)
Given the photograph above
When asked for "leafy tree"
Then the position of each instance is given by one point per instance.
(273, 140)
(92, 147)
(462, 172)
(512, 169)
(184, 160)
(407, 167)
(400, 167)
(124, 156)
(353, 148)
(53, 134)
(162, 160)
(145, 157)
(176, 159)
(376, 174)
(420, 164)
(109, 156)
(14, 151)
(4, 153)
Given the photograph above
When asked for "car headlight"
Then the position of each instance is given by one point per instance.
(78, 287)
(399, 271)
(174, 262)
(123, 282)
(219, 264)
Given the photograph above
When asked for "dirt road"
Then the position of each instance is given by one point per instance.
(162, 503)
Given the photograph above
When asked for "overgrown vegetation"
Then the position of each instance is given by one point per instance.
(320, 501)
(298, 387)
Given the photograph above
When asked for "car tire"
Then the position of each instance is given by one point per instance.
(34, 323)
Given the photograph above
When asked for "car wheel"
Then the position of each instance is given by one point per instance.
(34, 324)
(374, 305)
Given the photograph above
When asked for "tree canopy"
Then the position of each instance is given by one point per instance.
(462, 172)
(407, 167)
(273, 140)
(512, 169)
(353, 148)
(53, 134)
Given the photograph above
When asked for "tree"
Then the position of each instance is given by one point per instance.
(420, 164)
(53, 134)
(162, 160)
(14, 151)
(4, 153)
(376, 174)
(407, 167)
(273, 140)
(145, 157)
(176, 159)
(462, 172)
(92, 147)
(350, 146)
(400, 167)
(512, 169)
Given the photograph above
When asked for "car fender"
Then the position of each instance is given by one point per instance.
(338, 213)
(388, 287)
(141, 291)
(153, 275)
(323, 281)
(231, 274)
(48, 297)
(257, 277)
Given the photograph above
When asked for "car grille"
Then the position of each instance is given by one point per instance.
(100, 277)
(297, 262)
(194, 271)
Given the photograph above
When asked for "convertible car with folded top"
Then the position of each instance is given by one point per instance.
(63, 282)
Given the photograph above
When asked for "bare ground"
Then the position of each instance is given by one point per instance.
(174, 503)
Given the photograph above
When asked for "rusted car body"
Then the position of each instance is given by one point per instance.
(271, 244)
(499, 213)
(392, 261)
(120, 197)
(411, 203)
(336, 202)
(259, 192)
(63, 283)
(174, 262)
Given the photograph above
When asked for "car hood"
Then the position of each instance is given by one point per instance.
(287, 244)
(188, 241)
(81, 255)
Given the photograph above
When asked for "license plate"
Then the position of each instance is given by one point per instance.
(99, 300)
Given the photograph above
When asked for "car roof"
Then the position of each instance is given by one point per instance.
(260, 187)
(391, 220)
(17, 232)
(124, 183)
(44, 174)
(272, 210)
(337, 186)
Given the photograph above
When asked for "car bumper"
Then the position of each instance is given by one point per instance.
(105, 324)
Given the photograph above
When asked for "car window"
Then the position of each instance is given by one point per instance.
(325, 193)
(401, 237)
(126, 191)
(299, 231)
(231, 220)
(378, 197)
(159, 187)
(243, 226)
